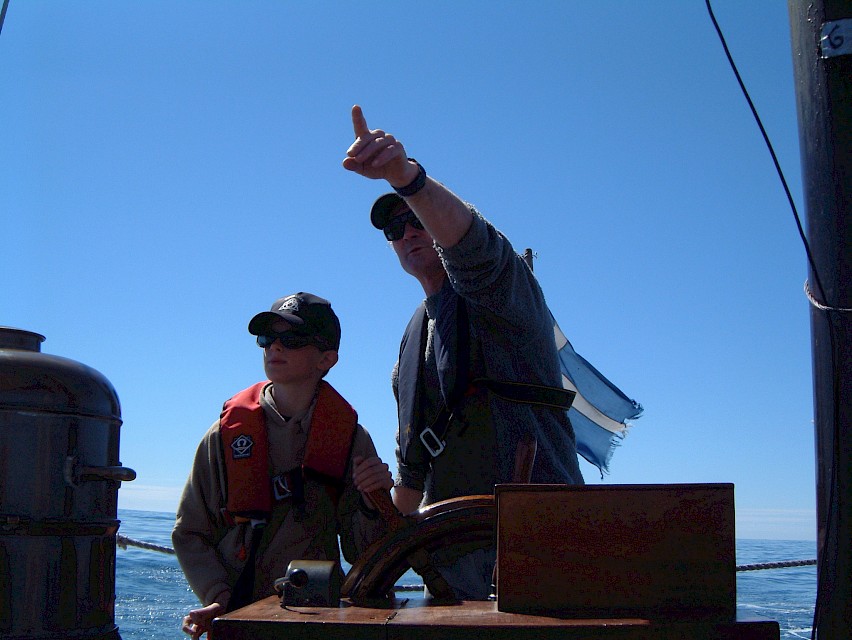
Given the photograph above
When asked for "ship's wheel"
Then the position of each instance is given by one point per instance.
(409, 543)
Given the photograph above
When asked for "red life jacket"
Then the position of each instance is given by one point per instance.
(246, 446)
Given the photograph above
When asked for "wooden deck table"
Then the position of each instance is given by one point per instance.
(417, 619)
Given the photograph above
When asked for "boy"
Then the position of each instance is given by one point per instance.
(272, 478)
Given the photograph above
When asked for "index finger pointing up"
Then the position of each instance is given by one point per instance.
(359, 123)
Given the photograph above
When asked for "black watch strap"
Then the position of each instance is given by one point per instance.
(415, 185)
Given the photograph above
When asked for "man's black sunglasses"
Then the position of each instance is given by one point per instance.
(290, 340)
(395, 229)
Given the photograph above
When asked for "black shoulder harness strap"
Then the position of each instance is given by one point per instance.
(410, 385)
(555, 397)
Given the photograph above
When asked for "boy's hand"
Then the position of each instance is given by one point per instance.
(370, 474)
(198, 621)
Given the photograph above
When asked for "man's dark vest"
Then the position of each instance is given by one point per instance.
(451, 341)
(246, 447)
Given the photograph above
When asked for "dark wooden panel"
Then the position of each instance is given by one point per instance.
(654, 551)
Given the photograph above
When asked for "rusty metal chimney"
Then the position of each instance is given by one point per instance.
(59, 480)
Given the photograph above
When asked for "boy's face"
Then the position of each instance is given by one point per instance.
(288, 366)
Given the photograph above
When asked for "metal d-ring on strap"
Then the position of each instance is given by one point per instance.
(434, 444)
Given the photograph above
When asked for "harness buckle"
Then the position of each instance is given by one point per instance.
(434, 445)
(281, 486)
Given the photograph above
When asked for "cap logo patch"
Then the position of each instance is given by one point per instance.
(241, 447)
(290, 304)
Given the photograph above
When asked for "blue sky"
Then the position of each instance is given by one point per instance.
(169, 169)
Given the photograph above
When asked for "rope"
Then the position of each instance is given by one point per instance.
(125, 542)
(818, 304)
(769, 146)
(740, 567)
(775, 565)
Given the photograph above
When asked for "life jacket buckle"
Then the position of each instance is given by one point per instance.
(281, 486)
(434, 445)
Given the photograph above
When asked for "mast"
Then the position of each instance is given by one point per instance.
(821, 32)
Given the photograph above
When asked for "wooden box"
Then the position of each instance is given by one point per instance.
(648, 551)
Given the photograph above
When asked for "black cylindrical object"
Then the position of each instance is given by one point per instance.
(59, 480)
(822, 67)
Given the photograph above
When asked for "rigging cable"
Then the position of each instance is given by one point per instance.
(769, 146)
(830, 311)
(3, 14)
(123, 542)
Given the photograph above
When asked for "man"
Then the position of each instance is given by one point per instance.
(272, 478)
(479, 386)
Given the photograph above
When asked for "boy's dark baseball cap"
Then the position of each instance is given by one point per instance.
(383, 208)
(309, 314)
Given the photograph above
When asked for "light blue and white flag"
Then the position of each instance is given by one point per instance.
(600, 412)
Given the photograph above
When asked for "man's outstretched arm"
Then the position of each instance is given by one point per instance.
(380, 156)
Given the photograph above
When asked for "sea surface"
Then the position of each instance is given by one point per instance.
(152, 595)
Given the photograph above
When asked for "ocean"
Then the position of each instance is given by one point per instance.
(152, 595)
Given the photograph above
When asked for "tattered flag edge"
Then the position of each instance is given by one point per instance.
(601, 412)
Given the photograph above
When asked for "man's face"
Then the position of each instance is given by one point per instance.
(415, 249)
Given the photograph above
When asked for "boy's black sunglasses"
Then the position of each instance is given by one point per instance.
(290, 340)
(395, 229)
